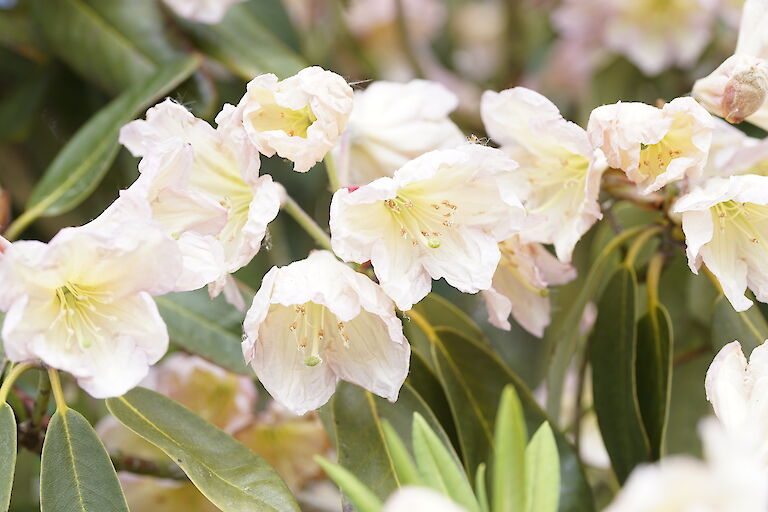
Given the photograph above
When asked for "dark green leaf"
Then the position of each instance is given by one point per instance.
(76, 474)
(613, 356)
(654, 374)
(510, 438)
(442, 313)
(229, 474)
(7, 454)
(81, 165)
(209, 328)
(748, 327)
(473, 378)
(279, 21)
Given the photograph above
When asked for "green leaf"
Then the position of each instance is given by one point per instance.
(402, 462)
(112, 43)
(7, 454)
(473, 378)
(613, 356)
(510, 437)
(654, 374)
(76, 474)
(359, 437)
(749, 327)
(81, 165)
(229, 474)
(439, 467)
(442, 313)
(244, 44)
(542, 471)
(209, 328)
(480, 490)
(363, 499)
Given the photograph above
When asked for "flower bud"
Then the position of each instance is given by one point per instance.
(744, 94)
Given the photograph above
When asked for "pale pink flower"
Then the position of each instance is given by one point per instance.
(422, 499)
(203, 11)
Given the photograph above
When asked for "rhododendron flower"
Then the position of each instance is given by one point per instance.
(424, 499)
(737, 391)
(300, 118)
(4, 244)
(731, 478)
(737, 90)
(653, 146)
(726, 227)
(733, 153)
(557, 165)
(82, 303)
(393, 123)
(520, 285)
(192, 176)
(204, 11)
(316, 321)
(440, 215)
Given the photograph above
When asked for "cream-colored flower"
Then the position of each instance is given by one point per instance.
(653, 146)
(204, 188)
(558, 166)
(737, 90)
(520, 285)
(203, 11)
(82, 303)
(440, 216)
(423, 17)
(317, 321)
(726, 227)
(300, 118)
(422, 499)
(393, 123)
(733, 153)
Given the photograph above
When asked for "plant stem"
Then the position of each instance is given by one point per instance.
(146, 467)
(41, 402)
(652, 278)
(333, 175)
(308, 223)
(13, 374)
(58, 393)
(638, 244)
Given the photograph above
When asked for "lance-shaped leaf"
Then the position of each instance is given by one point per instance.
(362, 497)
(209, 328)
(510, 438)
(229, 474)
(749, 327)
(614, 382)
(76, 474)
(654, 374)
(542, 472)
(473, 378)
(83, 162)
(7, 454)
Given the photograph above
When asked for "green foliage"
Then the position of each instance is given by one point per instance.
(749, 327)
(76, 474)
(509, 461)
(542, 471)
(230, 475)
(7, 454)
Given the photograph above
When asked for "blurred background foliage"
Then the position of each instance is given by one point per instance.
(64, 61)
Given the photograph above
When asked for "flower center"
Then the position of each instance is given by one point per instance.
(274, 117)
(421, 221)
(655, 158)
(561, 183)
(747, 218)
(79, 313)
(312, 328)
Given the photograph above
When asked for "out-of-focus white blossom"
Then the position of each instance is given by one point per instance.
(423, 17)
(731, 478)
(726, 227)
(653, 146)
(300, 118)
(317, 321)
(520, 285)
(479, 33)
(440, 216)
(558, 166)
(82, 303)
(413, 498)
(737, 391)
(392, 123)
(204, 188)
(203, 11)
(737, 90)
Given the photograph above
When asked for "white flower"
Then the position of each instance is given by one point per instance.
(440, 215)
(316, 321)
(423, 17)
(4, 244)
(413, 498)
(520, 285)
(738, 88)
(737, 391)
(393, 123)
(653, 146)
(733, 153)
(204, 189)
(300, 118)
(731, 479)
(726, 227)
(82, 303)
(203, 11)
(557, 165)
